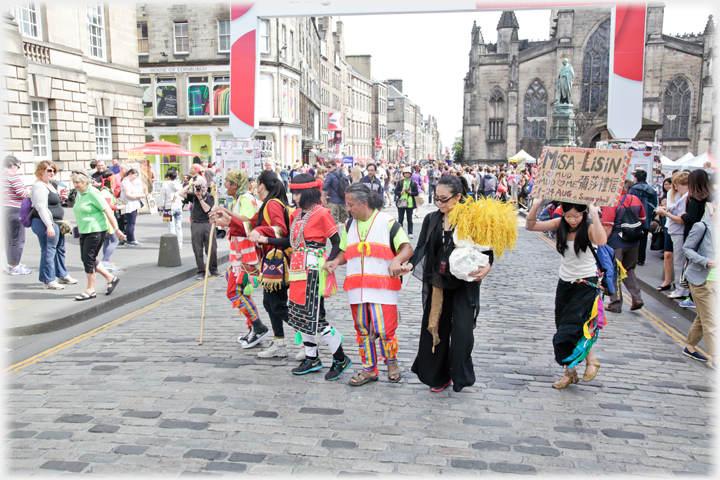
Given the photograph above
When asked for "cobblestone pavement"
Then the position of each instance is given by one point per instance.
(142, 397)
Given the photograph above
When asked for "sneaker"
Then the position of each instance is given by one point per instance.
(112, 266)
(338, 368)
(135, 243)
(68, 280)
(19, 270)
(675, 294)
(200, 276)
(308, 365)
(300, 356)
(687, 303)
(695, 355)
(252, 339)
(276, 349)
(54, 286)
(411, 236)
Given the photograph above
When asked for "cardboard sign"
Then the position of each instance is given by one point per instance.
(581, 175)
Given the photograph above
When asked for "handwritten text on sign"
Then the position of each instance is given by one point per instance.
(581, 175)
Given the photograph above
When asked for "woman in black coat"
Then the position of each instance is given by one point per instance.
(438, 364)
(406, 192)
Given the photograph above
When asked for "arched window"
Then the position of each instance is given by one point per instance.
(496, 115)
(535, 111)
(596, 69)
(677, 110)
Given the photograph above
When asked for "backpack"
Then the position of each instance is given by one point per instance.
(608, 266)
(343, 184)
(26, 211)
(631, 228)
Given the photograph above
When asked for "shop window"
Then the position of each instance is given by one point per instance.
(147, 98)
(166, 97)
(198, 97)
(221, 96)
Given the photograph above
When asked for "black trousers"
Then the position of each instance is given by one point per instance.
(643, 246)
(452, 358)
(402, 212)
(200, 235)
(90, 245)
(275, 303)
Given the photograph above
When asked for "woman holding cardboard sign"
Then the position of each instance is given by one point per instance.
(579, 312)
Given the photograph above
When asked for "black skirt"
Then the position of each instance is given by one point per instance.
(573, 306)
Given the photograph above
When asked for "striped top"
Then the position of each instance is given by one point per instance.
(13, 190)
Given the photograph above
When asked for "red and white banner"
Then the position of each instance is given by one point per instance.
(335, 121)
(378, 142)
(627, 49)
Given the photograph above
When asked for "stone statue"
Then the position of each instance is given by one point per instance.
(564, 82)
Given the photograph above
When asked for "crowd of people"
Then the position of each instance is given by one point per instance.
(289, 230)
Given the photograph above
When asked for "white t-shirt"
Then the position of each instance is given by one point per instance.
(470, 179)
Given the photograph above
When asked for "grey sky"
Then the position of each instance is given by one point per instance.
(430, 51)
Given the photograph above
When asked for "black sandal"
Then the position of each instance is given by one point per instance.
(111, 285)
(666, 287)
(85, 296)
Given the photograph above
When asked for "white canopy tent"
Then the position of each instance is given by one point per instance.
(523, 157)
(699, 161)
(685, 158)
(668, 165)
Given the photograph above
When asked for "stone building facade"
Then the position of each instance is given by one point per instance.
(309, 54)
(359, 115)
(184, 58)
(70, 98)
(511, 85)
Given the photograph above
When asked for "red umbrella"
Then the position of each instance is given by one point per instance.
(162, 147)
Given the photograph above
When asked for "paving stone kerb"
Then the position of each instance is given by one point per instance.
(243, 414)
(34, 310)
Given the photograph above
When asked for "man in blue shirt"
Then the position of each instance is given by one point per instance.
(332, 187)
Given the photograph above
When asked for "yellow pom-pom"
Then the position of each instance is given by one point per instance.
(486, 222)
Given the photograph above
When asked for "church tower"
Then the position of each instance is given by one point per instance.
(507, 31)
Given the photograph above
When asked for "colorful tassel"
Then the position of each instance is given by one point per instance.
(298, 338)
(331, 287)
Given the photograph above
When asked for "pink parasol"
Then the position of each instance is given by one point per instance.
(162, 147)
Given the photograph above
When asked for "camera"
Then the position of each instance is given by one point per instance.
(198, 188)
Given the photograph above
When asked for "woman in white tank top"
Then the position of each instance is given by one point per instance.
(578, 298)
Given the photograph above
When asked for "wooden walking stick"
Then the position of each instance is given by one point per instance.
(207, 263)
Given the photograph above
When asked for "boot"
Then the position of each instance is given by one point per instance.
(276, 349)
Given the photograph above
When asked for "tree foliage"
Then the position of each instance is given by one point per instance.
(457, 149)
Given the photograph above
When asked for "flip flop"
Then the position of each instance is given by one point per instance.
(85, 296)
(362, 378)
(111, 286)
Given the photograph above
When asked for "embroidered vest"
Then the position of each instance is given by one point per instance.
(367, 276)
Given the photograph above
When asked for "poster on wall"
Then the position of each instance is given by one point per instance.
(581, 175)
(234, 158)
(335, 121)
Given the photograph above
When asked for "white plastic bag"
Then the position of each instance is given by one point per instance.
(466, 258)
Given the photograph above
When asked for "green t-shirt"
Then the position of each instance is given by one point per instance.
(410, 198)
(364, 227)
(88, 209)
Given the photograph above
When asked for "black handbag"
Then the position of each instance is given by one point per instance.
(658, 241)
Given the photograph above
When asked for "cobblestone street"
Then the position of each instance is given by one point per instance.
(141, 397)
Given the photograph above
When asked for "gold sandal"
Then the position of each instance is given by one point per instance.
(588, 377)
(573, 376)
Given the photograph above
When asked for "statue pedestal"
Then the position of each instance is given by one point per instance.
(562, 129)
